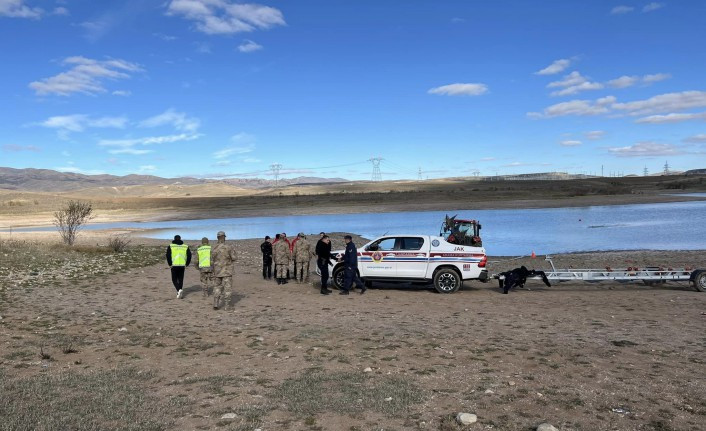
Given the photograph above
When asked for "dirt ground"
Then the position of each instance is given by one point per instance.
(579, 356)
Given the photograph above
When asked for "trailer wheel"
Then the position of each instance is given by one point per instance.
(699, 280)
(447, 280)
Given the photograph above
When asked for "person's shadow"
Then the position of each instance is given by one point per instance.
(186, 291)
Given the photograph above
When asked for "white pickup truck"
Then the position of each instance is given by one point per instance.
(416, 259)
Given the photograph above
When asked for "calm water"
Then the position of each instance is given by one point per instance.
(664, 226)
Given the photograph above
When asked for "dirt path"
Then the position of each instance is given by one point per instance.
(583, 357)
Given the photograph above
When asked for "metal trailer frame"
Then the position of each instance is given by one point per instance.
(648, 275)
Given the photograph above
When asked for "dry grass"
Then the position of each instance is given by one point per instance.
(81, 401)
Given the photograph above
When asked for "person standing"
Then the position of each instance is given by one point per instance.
(205, 266)
(223, 256)
(266, 248)
(350, 265)
(323, 258)
(283, 237)
(178, 258)
(282, 257)
(302, 258)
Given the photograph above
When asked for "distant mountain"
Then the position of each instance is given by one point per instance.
(46, 180)
(260, 183)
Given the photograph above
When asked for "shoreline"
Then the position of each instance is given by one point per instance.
(43, 220)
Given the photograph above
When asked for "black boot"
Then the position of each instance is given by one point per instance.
(325, 291)
(279, 281)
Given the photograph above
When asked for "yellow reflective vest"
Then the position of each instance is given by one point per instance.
(204, 256)
(178, 254)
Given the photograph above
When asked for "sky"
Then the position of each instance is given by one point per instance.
(429, 88)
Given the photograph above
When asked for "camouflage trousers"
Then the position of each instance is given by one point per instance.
(281, 270)
(222, 288)
(302, 271)
(206, 282)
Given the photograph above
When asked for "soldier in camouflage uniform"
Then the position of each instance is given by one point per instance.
(205, 265)
(223, 258)
(302, 258)
(282, 257)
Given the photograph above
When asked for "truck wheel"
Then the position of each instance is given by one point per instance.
(447, 280)
(700, 281)
(338, 277)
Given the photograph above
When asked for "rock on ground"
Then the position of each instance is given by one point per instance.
(466, 418)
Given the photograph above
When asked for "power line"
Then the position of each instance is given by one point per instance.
(275, 171)
(376, 176)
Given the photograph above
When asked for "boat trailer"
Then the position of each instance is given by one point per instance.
(648, 275)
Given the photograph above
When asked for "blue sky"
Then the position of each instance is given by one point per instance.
(216, 88)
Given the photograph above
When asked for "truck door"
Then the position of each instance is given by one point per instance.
(412, 257)
(379, 259)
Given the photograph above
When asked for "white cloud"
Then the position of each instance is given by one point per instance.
(570, 80)
(619, 10)
(628, 81)
(14, 148)
(60, 11)
(656, 77)
(556, 67)
(75, 170)
(179, 120)
(570, 143)
(624, 81)
(471, 89)
(123, 93)
(645, 149)
(249, 46)
(568, 91)
(672, 118)
(164, 37)
(576, 107)
(84, 76)
(573, 83)
(246, 144)
(652, 7)
(18, 9)
(226, 17)
(668, 102)
(696, 139)
(148, 168)
(595, 135)
(131, 151)
(152, 140)
(65, 124)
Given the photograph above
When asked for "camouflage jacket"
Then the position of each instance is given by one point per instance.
(282, 254)
(302, 250)
(222, 259)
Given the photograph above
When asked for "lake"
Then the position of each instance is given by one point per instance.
(663, 226)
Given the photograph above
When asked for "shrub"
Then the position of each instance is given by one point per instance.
(71, 218)
(118, 243)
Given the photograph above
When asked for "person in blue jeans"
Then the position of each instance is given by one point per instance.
(350, 265)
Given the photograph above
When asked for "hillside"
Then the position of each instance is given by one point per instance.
(46, 180)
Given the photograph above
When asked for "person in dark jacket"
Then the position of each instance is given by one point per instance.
(323, 258)
(350, 265)
(178, 258)
(266, 248)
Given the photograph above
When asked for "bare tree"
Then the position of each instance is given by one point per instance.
(71, 218)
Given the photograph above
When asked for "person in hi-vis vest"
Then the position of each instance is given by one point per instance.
(178, 258)
(205, 266)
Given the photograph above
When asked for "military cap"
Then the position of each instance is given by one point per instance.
(221, 233)
(347, 237)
